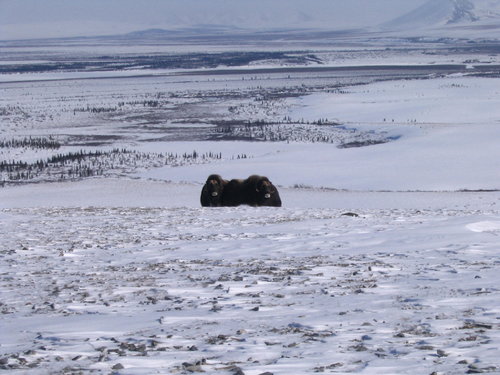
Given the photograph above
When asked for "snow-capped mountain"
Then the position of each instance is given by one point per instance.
(111, 17)
(465, 17)
(463, 11)
(433, 13)
(56, 18)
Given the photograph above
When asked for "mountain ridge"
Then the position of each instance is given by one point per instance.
(434, 16)
(439, 18)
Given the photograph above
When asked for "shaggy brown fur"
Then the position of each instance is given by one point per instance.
(212, 191)
(254, 191)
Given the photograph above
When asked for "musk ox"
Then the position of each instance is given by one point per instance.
(212, 191)
(254, 191)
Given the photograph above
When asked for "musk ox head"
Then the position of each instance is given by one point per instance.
(211, 194)
(267, 193)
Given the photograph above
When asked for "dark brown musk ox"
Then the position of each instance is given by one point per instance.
(254, 191)
(212, 191)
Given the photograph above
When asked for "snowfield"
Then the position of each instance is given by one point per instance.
(443, 136)
(136, 290)
(384, 258)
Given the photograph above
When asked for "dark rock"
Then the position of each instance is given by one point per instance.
(237, 371)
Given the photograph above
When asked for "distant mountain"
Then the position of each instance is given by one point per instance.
(469, 19)
(58, 18)
(460, 18)
(432, 13)
(162, 19)
(157, 33)
(463, 11)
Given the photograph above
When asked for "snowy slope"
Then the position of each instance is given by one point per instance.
(130, 276)
(485, 10)
(450, 18)
(130, 290)
(446, 129)
(432, 13)
(133, 277)
(446, 12)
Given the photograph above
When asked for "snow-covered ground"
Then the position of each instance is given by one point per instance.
(447, 132)
(338, 282)
(383, 259)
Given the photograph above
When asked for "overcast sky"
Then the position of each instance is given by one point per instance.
(61, 18)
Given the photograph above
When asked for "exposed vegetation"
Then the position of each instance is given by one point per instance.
(320, 131)
(170, 61)
(31, 142)
(82, 164)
